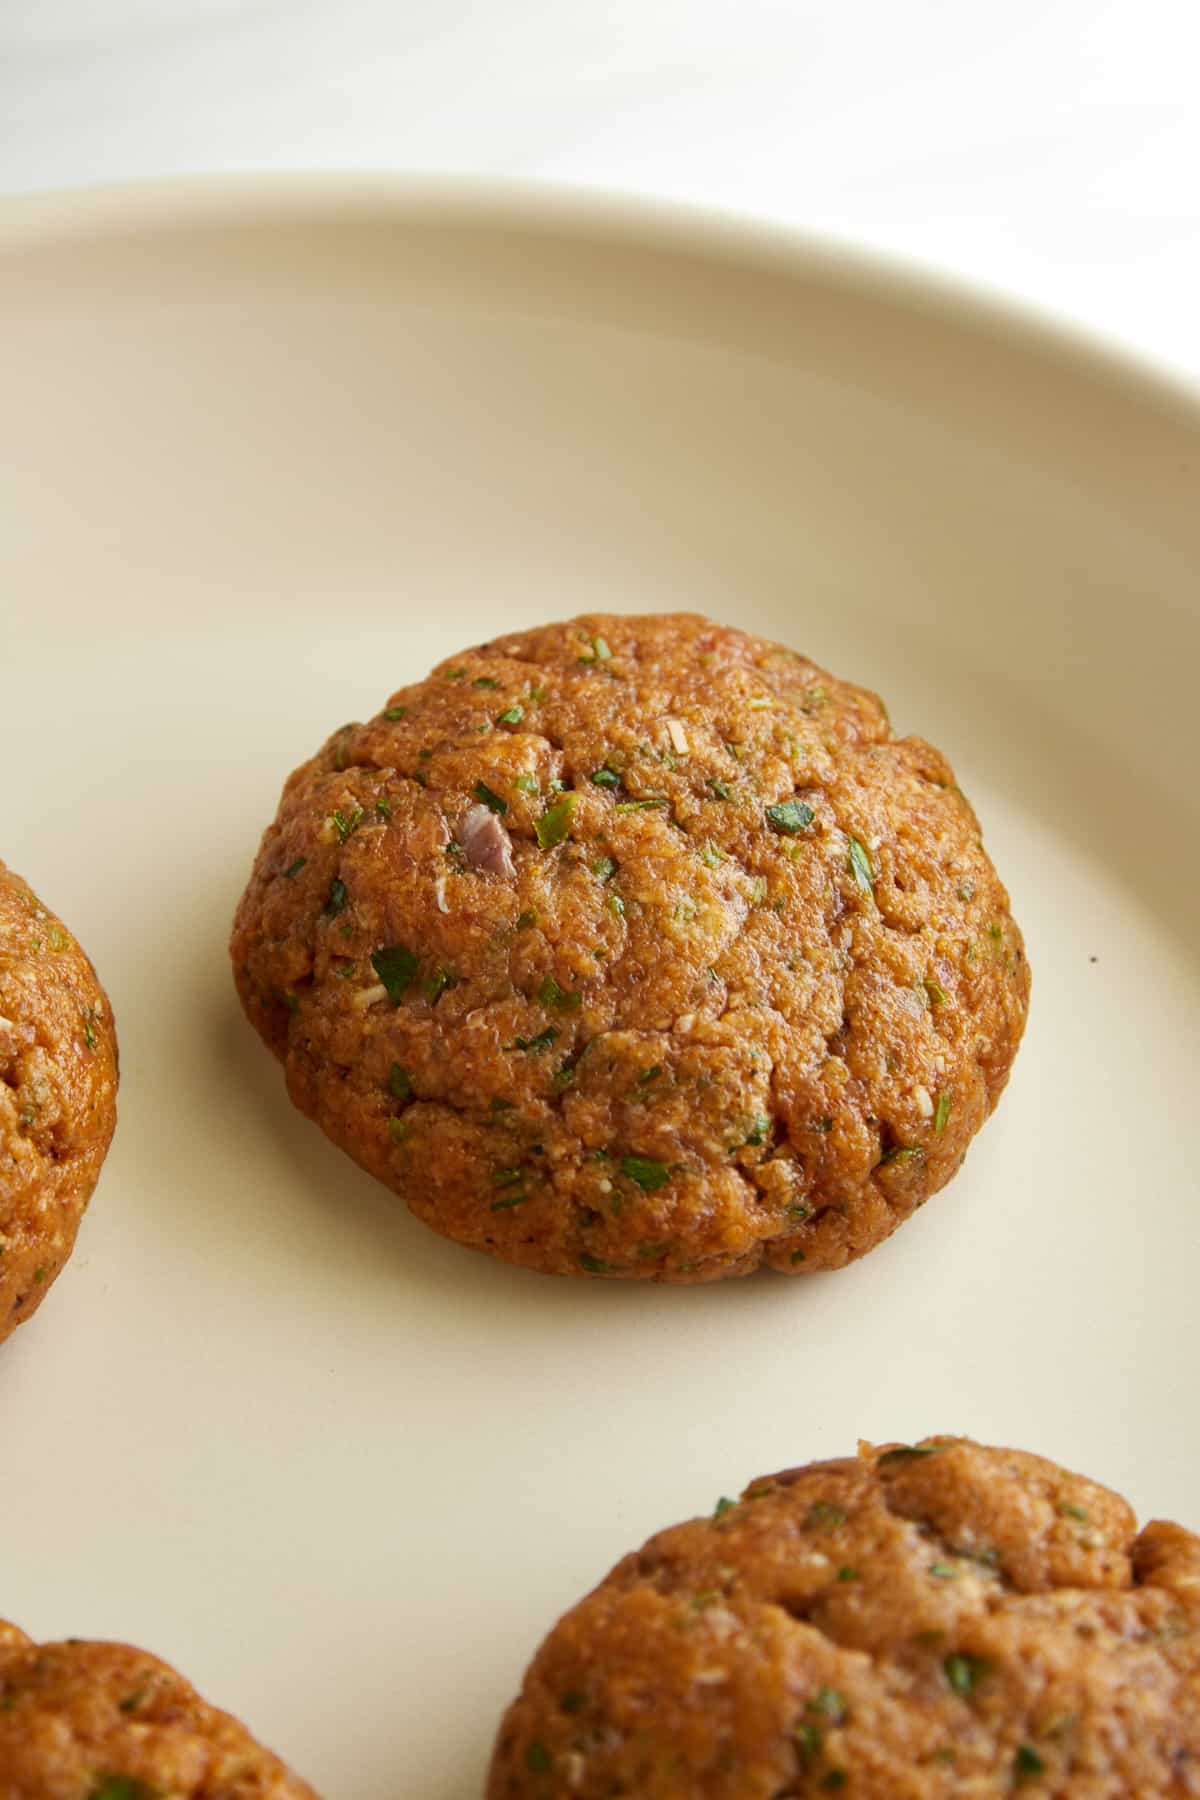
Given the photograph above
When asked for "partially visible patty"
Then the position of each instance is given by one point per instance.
(98, 1721)
(58, 1093)
(637, 946)
(920, 1623)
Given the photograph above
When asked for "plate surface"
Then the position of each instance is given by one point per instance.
(268, 452)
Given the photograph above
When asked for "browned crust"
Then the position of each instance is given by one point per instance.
(58, 1091)
(807, 1049)
(911, 1625)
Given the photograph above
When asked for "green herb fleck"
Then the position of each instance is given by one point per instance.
(710, 855)
(492, 801)
(345, 971)
(810, 1738)
(89, 1028)
(550, 994)
(508, 1200)
(718, 789)
(964, 1673)
(485, 681)
(526, 783)
(941, 1112)
(554, 824)
(905, 1453)
(537, 1044)
(965, 890)
(122, 1787)
(616, 905)
(605, 778)
(899, 1153)
(39, 1275)
(512, 715)
(649, 1075)
(338, 897)
(396, 967)
(648, 1174)
(593, 1264)
(383, 807)
(437, 985)
(1027, 1765)
(605, 869)
(722, 1507)
(537, 1758)
(291, 874)
(1069, 1510)
(526, 920)
(789, 817)
(628, 806)
(830, 1702)
(847, 1575)
(936, 994)
(944, 1571)
(399, 1082)
(652, 1252)
(454, 674)
(347, 826)
(395, 712)
(797, 1256)
(860, 866)
(760, 1124)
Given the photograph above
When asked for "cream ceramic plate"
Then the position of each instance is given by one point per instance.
(267, 453)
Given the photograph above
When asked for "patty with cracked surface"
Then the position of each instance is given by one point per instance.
(637, 946)
(98, 1721)
(919, 1623)
(58, 1095)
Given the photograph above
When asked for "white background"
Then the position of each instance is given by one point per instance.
(1048, 149)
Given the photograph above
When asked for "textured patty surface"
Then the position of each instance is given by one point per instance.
(637, 946)
(923, 1622)
(58, 1088)
(84, 1721)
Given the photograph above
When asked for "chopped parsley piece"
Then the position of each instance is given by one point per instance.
(905, 1453)
(593, 1264)
(652, 1252)
(789, 817)
(628, 806)
(824, 1516)
(346, 971)
(485, 681)
(555, 823)
(605, 869)
(455, 674)
(396, 967)
(512, 715)
(1027, 1765)
(847, 1575)
(537, 1044)
(537, 1758)
(722, 1507)
(760, 1124)
(437, 984)
(810, 1738)
(603, 653)
(508, 1200)
(122, 1787)
(525, 920)
(965, 890)
(399, 1082)
(347, 826)
(899, 1153)
(550, 994)
(941, 1112)
(606, 778)
(291, 874)
(937, 995)
(1069, 1510)
(492, 801)
(383, 807)
(648, 1174)
(397, 1130)
(395, 712)
(718, 789)
(89, 1028)
(944, 1571)
(709, 854)
(337, 899)
(616, 905)
(860, 866)
(829, 1701)
(798, 1257)
(526, 783)
(649, 1075)
(964, 1673)
(39, 1275)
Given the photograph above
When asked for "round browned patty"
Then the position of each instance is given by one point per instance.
(637, 946)
(82, 1721)
(923, 1622)
(58, 1095)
